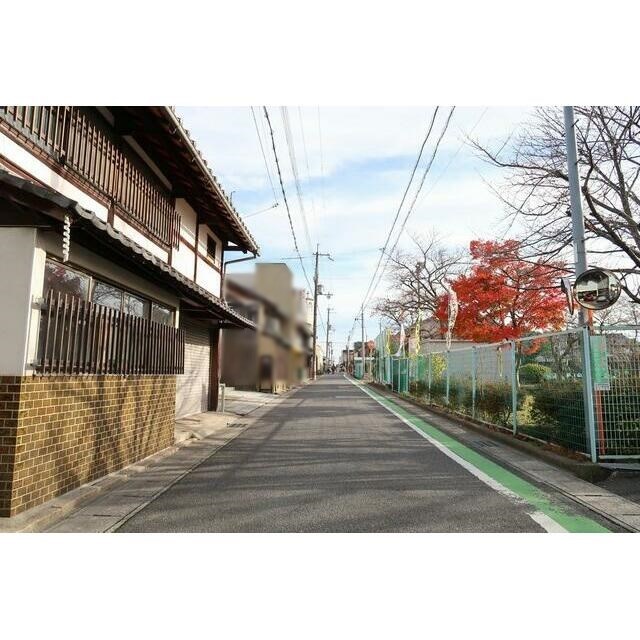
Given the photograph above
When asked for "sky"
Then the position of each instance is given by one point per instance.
(353, 166)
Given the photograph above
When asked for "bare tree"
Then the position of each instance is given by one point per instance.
(416, 278)
(536, 191)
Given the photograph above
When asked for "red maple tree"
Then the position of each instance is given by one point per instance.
(504, 296)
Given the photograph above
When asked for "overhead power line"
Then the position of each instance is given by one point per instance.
(324, 202)
(255, 213)
(413, 202)
(404, 196)
(453, 157)
(294, 169)
(284, 197)
(264, 156)
(306, 161)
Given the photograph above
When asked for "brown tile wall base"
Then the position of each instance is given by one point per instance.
(57, 433)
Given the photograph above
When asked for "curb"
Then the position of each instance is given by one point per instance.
(549, 457)
(585, 470)
(43, 516)
(236, 423)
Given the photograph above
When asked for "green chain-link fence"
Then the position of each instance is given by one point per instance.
(538, 387)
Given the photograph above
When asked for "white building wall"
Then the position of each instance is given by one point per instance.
(18, 317)
(39, 170)
(120, 225)
(207, 276)
(183, 259)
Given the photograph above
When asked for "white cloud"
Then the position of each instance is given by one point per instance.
(367, 156)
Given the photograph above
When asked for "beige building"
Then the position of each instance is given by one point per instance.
(276, 356)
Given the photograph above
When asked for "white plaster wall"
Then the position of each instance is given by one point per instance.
(183, 258)
(39, 170)
(208, 278)
(202, 243)
(37, 290)
(206, 275)
(21, 278)
(188, 218)
(120, 225)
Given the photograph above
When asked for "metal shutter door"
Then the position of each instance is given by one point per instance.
(192, 388)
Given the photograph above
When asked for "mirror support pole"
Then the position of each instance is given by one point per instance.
(577, 218)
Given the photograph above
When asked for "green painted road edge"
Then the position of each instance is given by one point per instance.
(525, 490)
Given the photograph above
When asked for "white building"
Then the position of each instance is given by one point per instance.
(113, 238)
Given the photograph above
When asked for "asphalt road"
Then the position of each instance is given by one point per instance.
(331, 459)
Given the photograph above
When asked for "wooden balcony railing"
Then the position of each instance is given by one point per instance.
(74, 139)
(80, 337)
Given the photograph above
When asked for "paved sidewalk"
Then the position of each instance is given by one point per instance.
(100, 505)
(237, 403)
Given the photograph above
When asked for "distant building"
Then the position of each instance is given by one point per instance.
(278, 355)
(431, 339)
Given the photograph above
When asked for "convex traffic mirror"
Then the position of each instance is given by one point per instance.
(596, 289)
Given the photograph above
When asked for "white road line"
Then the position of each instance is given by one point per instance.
(547, 523)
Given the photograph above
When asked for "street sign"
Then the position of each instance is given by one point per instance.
(599, 363)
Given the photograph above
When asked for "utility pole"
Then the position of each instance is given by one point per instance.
(577, 217)
(419, 331)
(326, 348)
(364, 350)
(380, 354)
(346, 366)
(317, 254)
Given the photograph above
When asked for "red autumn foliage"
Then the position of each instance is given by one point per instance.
(504, 296)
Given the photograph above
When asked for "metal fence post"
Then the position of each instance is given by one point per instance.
(473, 382)
(447, 394)
(587, 388)
(514, 388)
(429, 377)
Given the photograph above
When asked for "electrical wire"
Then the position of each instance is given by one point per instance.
(255, 213)
(412, 205)
(264, 157)
(284, 197)
(324, 202)
(453, 157)
(397, 215)
(294, 169)
(306, 161)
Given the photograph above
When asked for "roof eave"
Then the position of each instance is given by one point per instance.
(251, 245)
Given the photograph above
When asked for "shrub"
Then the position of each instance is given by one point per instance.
(558, 413)
(438, 366)
(533, 373)
(621, 416)
(438, 391)
(494, 403)
(460, 395)
(418, 388)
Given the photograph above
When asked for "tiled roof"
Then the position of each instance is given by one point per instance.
(231, 211)
(90, 218)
